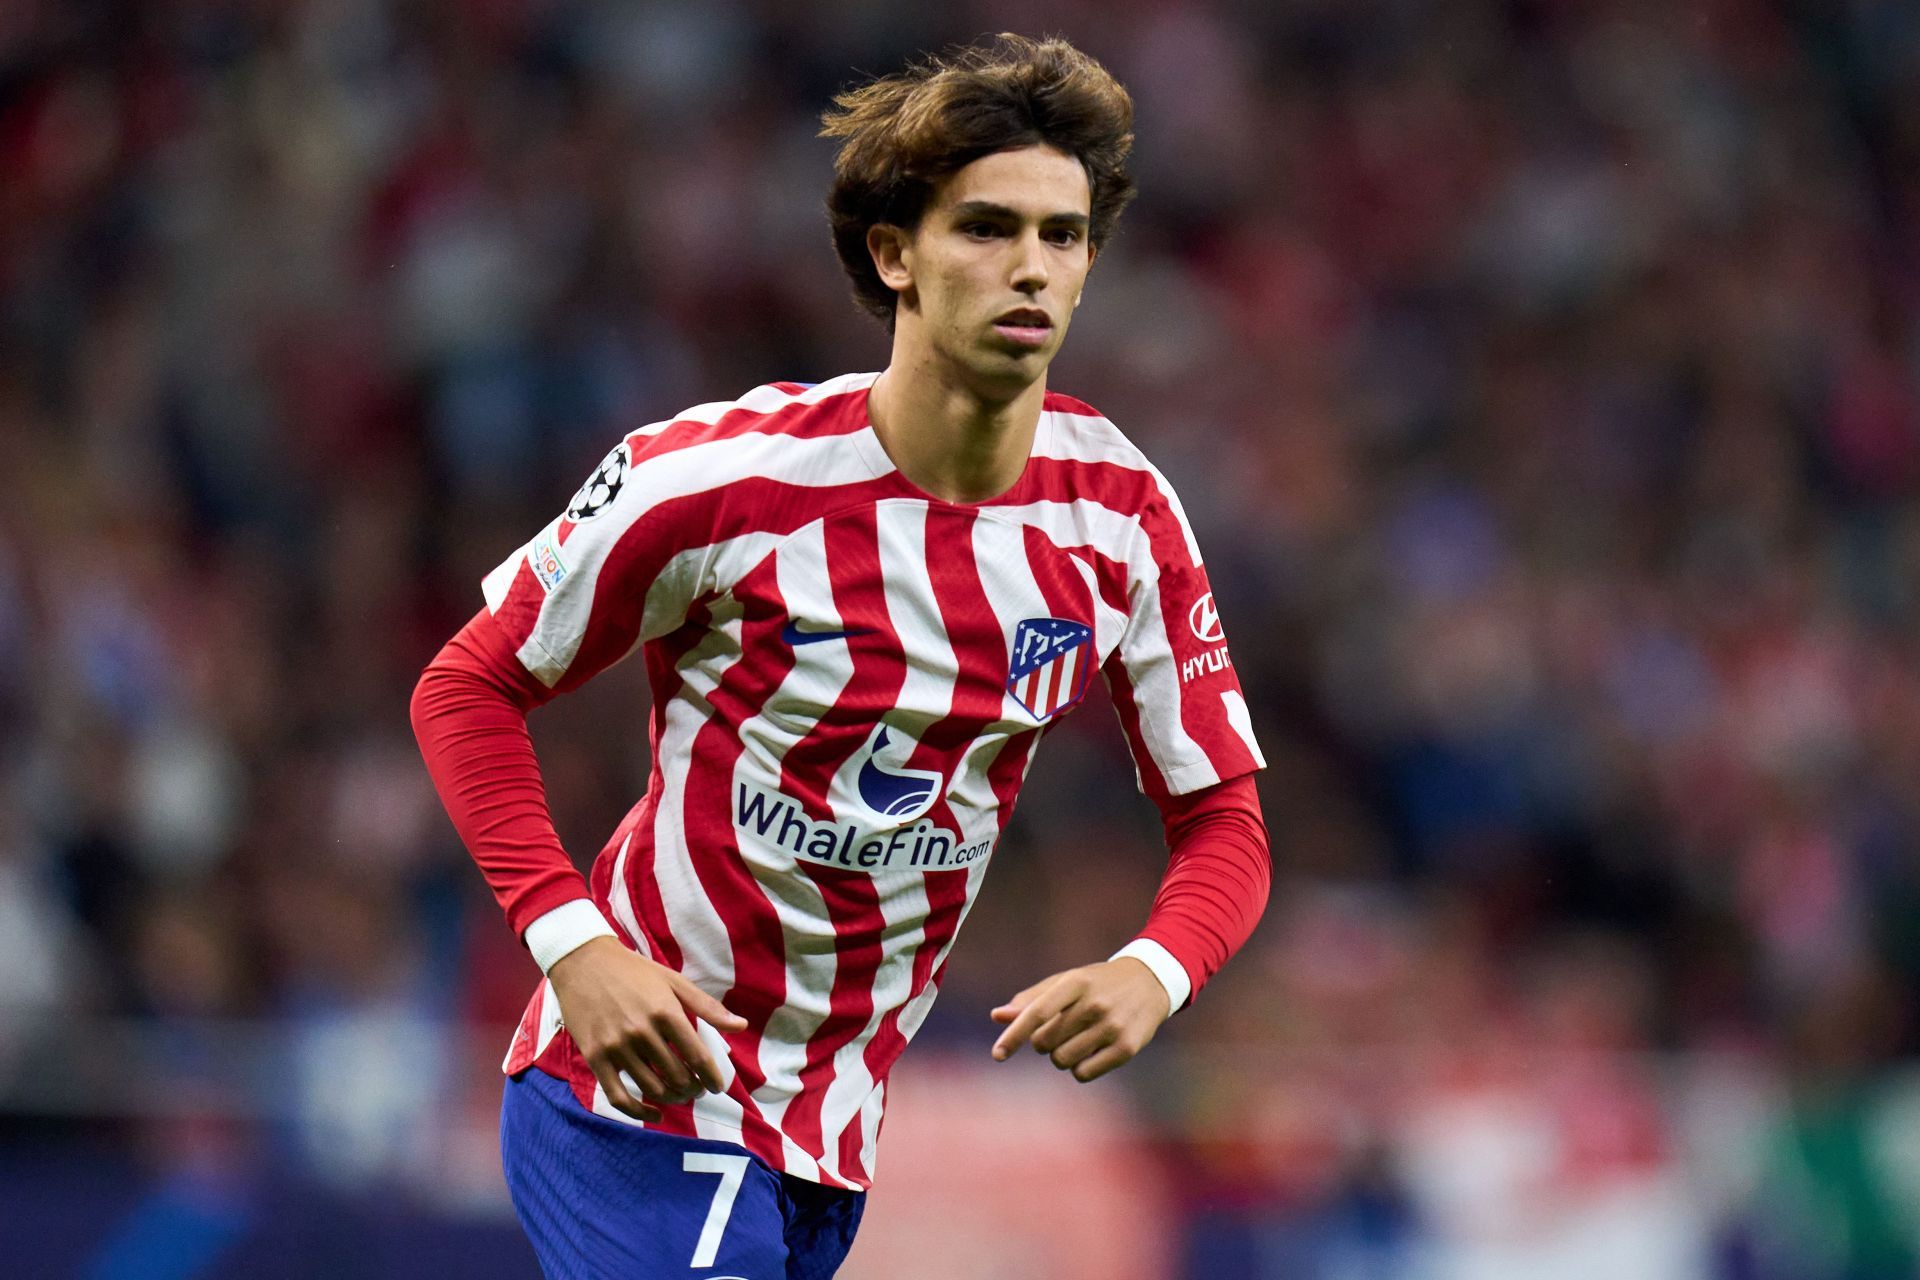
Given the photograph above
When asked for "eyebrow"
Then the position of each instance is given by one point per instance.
(987, 209)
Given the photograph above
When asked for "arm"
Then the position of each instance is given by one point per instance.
(1191, 737)
(1214, 890)
(625, 1012)
(470, 717)
(1097, 1017)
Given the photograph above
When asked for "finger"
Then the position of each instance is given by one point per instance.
(702, 1005)
(650, 1044)
(1092, 1068)
(622, 1100)
(1084, 1045)
(644, 1077)
(687, 1043)
(1011, 1009)
(1067, 1024)
(1048, 1003)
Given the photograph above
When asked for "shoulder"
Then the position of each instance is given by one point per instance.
(790, 409)
(1103, 465)
(782, 431)
(1081, 433)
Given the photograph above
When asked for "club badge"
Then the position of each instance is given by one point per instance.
(1052, 658)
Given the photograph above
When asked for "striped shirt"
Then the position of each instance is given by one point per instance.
(849, 677)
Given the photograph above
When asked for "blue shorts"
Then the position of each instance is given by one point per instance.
(601, 1200)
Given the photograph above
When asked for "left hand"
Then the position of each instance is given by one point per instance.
(1088, 1020)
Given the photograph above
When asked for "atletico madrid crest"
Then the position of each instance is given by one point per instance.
(1052, 658)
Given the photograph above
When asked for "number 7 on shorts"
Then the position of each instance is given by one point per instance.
(732, 1171)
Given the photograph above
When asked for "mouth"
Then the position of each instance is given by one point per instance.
(1025, 326)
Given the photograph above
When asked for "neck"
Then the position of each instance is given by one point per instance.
(951, 439)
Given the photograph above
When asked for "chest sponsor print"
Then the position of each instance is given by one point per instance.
(894, 791)
(883, 823)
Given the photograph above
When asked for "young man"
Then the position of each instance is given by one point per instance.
(859, 603)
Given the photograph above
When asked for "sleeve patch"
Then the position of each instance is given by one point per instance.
(548, 567)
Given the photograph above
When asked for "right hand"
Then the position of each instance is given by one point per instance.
(631, 1014)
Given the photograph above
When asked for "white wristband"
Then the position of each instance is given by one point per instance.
(1172, 974)
(564, 928)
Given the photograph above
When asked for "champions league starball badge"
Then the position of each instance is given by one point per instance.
(601, 488)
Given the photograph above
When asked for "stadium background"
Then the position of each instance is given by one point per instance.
(1541, 378)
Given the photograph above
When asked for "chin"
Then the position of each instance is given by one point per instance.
(999, 373)
(1010, 373)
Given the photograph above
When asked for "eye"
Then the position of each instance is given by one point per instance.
(979, 230)
(1065, 237)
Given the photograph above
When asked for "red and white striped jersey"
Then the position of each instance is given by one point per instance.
(848, 678)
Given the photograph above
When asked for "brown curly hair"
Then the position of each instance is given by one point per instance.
(905, 132)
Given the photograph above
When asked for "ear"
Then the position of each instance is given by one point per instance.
(1093, 251)
(892, 250)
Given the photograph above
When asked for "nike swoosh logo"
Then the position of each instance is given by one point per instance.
(792, 634)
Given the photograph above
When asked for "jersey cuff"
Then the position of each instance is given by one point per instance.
(563, 929)
(1172, 974)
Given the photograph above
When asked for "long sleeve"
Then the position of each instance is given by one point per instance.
(1215, 888)
(469, 714)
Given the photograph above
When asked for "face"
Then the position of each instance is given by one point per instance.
(990, 277)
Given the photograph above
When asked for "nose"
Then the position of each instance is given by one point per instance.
(1030, 266)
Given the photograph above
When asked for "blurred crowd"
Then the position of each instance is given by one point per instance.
(1543, 379)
